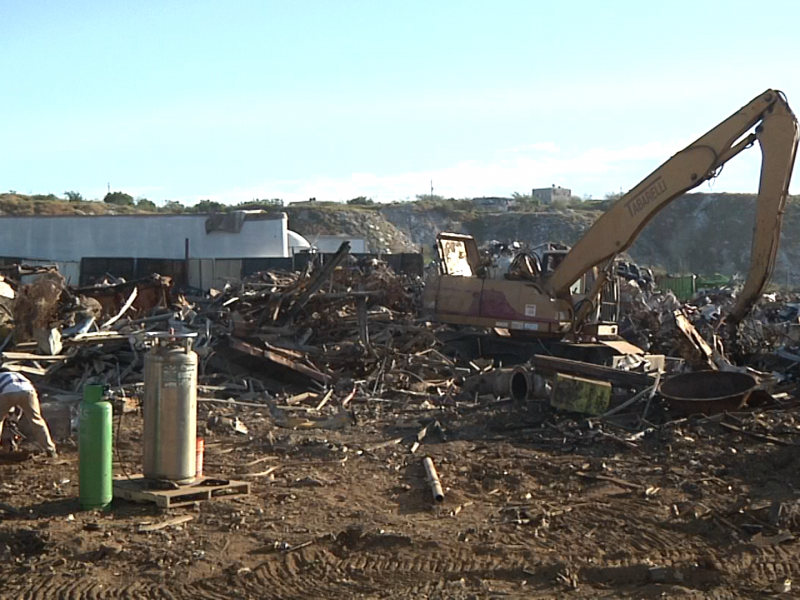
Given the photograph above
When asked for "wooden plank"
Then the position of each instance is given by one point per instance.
(136, 489)
(100, 337)
(325, 399)
(146, 528)
(574, 367)
(23, 369)
(695, 339)
(123, 310)
(316, 281)
(31, 356)
(232, 402)
(280, 359)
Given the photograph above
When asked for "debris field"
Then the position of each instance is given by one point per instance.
(336, 400)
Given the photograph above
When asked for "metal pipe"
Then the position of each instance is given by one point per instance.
(433, 479)
(512, 382)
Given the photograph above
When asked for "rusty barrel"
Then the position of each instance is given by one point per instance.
(708, 392)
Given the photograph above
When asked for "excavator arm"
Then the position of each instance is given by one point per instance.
(776, 130)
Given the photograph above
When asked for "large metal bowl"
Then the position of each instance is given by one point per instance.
(708, 392)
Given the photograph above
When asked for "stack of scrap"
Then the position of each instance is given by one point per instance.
(338, 321)
(344, 324)
(64, 338)
(768, 338)
(343, 329)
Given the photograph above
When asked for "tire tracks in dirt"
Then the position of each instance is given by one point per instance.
(323, 571)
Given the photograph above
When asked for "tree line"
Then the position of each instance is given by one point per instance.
(173, 206)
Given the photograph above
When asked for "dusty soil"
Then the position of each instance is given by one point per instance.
(538, 505)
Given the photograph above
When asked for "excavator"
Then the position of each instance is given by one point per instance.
(562, 297)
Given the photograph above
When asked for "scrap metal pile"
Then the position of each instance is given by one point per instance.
(343, 329)
(767, 339)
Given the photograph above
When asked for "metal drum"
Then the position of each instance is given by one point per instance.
(170, 409)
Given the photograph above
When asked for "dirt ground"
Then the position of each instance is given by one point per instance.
(538, 505)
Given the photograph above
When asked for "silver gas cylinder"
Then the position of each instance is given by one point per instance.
(170, 408)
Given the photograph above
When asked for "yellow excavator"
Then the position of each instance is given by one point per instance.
(563, 295)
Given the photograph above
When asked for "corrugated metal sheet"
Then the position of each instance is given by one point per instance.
(226, 270)
(69, 269)
(705, 282)
(683, 286)
(201, 273)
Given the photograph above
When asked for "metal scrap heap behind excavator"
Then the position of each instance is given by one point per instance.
(561, 300)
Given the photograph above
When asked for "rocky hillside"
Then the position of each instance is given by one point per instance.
(703, 233)
(324, 219)
(715, 230)
(47, 204)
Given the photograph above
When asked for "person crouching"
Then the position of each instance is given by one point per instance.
(17, 390)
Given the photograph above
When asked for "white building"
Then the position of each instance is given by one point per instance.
(551, 194)
(198, 246)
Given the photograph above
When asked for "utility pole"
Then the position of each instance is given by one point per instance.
(431, 189)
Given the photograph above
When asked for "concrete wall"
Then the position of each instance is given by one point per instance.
(70, 238)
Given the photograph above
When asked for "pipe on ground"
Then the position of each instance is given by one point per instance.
(515, 383)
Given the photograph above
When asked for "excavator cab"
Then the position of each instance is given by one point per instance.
(464, 292)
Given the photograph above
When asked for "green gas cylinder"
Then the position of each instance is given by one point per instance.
(95, 488)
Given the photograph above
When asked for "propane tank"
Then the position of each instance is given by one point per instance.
(170, 408)
(95, 485)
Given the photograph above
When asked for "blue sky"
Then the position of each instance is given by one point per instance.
(240, 100)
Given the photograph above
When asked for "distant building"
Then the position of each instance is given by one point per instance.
(551, 194)
(494, 203)
(202, 251)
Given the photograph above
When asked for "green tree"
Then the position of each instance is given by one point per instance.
(73, 196)
(209, 206)
(430, 198)
(145, 204)
(522, 197)
(173, 206)
(45, 198)
(614, 195)
(361, 201)
(119, 198)
(256, 203)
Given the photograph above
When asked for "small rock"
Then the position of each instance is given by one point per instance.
(308, 482)
(110, 549)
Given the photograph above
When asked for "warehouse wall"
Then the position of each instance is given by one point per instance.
(70, 238)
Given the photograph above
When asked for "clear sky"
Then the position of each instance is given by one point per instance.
(336, 99)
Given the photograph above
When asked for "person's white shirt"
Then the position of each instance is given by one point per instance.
(11, 382)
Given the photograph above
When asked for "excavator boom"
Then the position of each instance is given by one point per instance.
(617, 229)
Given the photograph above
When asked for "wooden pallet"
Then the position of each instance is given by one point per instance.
(138, 489)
